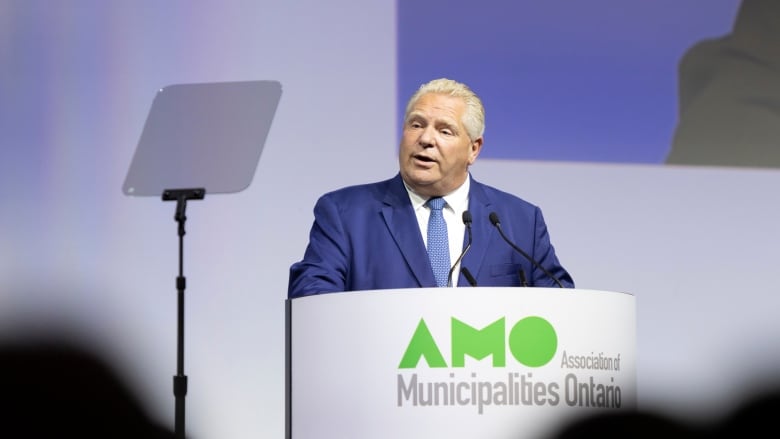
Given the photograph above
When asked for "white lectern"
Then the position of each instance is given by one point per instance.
(485, 362)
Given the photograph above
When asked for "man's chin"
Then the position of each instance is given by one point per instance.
(424, 187)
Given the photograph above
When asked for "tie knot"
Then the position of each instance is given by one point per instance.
(436, 203)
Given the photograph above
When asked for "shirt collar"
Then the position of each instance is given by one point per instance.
(457, 200)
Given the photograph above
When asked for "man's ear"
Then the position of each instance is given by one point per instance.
(476, 147)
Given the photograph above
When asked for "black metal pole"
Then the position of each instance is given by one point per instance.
(180, 379)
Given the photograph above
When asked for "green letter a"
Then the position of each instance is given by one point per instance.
(422, 345)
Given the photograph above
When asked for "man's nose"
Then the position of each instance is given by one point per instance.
(428, 137)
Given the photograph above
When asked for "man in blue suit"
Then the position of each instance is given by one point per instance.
(374, 236)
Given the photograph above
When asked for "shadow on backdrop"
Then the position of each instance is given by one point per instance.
(729, 94)
(52, 388)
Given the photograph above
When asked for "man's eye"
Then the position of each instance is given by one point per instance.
(446, 132)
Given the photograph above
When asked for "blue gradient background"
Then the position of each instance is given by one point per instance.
(591, 81)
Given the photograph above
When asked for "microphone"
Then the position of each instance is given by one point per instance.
(467, 222)
(469, 277)
(523, 279)
(494, 220)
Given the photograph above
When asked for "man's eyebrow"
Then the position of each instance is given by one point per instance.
(446, 122)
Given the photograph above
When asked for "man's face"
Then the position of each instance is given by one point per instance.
(435, 150)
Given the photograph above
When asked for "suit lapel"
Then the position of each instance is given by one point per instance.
(402, 224)
(480, 208)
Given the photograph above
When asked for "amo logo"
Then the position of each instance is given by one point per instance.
(532, 341)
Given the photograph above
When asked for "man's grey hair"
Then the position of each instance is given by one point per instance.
(473, 117)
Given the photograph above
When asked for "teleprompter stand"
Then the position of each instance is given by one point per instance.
(181, 196)
(198, 136)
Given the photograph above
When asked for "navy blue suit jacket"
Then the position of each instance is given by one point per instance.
(367, 237)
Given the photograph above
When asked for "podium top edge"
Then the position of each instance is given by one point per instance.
(440, 290)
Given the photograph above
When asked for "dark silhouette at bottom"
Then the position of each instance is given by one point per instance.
(757, 413)
(628, 424)
(56, 389)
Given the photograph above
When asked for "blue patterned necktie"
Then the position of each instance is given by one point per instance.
(438, 244)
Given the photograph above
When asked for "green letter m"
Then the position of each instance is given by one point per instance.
(478, 343)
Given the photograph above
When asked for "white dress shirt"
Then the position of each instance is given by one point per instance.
(457, 202)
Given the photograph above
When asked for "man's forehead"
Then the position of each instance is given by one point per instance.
(439, 107)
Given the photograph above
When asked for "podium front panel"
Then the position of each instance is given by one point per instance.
(457, 362)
